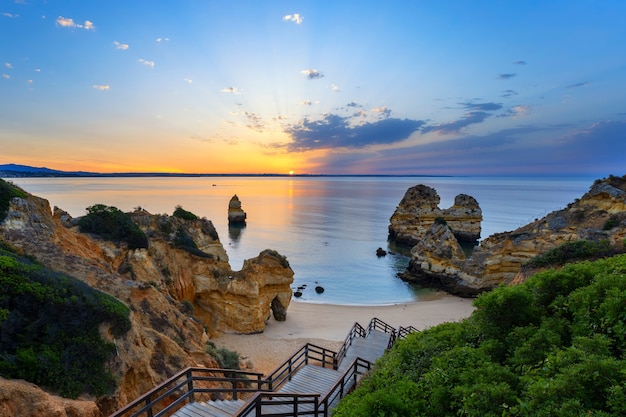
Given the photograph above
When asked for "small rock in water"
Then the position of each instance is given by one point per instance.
(297, 294)
(380, 252)
(319, 289)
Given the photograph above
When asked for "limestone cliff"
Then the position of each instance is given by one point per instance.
(179, 297)
(438, 260)
(419, 208)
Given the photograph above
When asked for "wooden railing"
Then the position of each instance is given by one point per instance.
(296, 405)
(405, 331)
(356, 331)
(377, 324)
(308, 354)
(183, 387)
(344, 385)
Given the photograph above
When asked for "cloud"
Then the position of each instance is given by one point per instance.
(296, 18)
(8, 65)
(583, 84)
(506, 76)
(354, 104)
(101, 87)
(334, 131)
(255, 122)
(306, 103)
(481, 106)
(69, 23)
(509, 93)
(517, 111)
(383, 111)
(312, 74)
(122, 46)
(10, 15)
(6, 76)
(519, 63)
(160, 40)
(454, 127)
(146, 62)
(188, 80)
(231, 90)
(335, 88)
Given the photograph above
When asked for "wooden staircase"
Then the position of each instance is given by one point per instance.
(309, 383)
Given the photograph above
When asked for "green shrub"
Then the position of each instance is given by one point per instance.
(49, 329)
(181, 213)
(112, 224)
(227, 359)
(612, 222)
(183, 241)
(571, 252)
(7, 192)
(553, 346)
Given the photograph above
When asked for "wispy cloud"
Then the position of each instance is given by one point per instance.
(10, 15)
(354, 104)
(335, 88)
(481, 106)
(6, 76)
(231, 90)
(508, 93)
(517, 111)
(312, 74)
(70, 23)
(519, 63)
(254, 121)
(296, 18)
(334, 131)
(122, 46)
(8, 65)
(188, 80)
(583, 84)
(456, 126)
(146, 62)
(306, 103)
(101, 87)
(506, 76)
(161, 40)
(383, 111)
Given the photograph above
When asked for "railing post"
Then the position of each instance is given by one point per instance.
(190, 386)
(149, 411)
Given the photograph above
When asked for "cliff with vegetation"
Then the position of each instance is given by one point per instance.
(594, 225)
(170, 272)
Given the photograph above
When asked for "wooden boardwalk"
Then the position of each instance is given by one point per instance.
(309, 379)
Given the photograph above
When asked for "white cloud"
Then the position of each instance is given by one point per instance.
(159, 40)
(306, 103)
(188, 80)
(382, 110)
(146, 62)
(101, 87)
(10, 15)
(335, 88)
(6, 76)
(296, 18)
(122, 46)
(312, 74)
(8, 65)
(231, 90)
(69, 23)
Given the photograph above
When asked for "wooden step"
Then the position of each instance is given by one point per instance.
(219, 408)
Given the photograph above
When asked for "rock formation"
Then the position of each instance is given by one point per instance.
(419, 208)
(178, 297)
(437, 260)
(236, 215)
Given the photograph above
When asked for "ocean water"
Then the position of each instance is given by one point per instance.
(328, 227)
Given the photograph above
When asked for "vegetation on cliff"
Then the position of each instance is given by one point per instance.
(50, 328)
(553, 346)
(113, 224)
(7, 192)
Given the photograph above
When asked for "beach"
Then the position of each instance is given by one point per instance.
(327, 325)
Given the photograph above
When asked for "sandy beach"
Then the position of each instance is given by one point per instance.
(327, 325)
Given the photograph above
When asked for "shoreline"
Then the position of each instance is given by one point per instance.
(327, 325)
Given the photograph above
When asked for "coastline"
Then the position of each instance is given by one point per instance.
(327, 325)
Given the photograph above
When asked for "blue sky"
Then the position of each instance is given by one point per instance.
(335, 87)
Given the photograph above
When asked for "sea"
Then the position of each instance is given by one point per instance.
(328, 227)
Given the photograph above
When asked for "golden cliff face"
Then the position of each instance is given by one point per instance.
(498, 259)
(178, 299)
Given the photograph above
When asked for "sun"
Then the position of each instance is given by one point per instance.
(290, 172)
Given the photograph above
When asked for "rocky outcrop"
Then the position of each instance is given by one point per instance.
(419, 209)
(437, 260)
(236, 215)
(179, 295)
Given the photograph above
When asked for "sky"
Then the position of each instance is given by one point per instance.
(421, 87)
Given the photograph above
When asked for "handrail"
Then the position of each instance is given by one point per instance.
(181, 388)
(308, 353)
(345, 384)
(356, 331)
(405, 331)
(254, 406)
(378, 324)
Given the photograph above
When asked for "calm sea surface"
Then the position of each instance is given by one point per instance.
(328, 227)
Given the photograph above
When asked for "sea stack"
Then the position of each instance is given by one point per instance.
(236, 215)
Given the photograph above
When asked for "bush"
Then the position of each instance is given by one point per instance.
(181, 213)
(553, 346)
(7, 192)
(226, 359)
(112, 224)
(49, 329)
(571, 252)
(183, 241)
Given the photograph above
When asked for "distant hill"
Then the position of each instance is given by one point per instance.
(15, 170)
